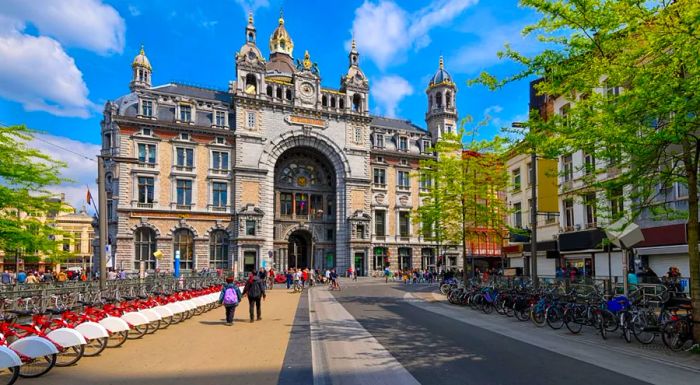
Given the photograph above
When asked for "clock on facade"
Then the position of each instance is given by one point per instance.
(307, 90)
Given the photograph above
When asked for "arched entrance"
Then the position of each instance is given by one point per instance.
(299, 249)
(305, 208)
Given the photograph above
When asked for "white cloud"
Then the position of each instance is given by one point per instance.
(384, 31)
(37, 72)
(388, 92)
(88, 24)
(81, 171)
(490, 36)
(134, 10)
(252, 5)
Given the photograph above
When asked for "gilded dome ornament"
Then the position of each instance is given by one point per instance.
(307, 60)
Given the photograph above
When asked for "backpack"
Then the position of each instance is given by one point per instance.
(254, 289)
(230, 296)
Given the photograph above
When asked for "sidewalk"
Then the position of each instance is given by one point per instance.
(201, 350)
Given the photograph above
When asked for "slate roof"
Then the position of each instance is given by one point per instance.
(194, 91)
(395, 124)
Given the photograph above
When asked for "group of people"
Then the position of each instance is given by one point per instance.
(254, 289)
(37, 277)
(413, 276)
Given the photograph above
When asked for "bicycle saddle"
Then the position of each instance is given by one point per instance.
(55, 311)
(22, 312)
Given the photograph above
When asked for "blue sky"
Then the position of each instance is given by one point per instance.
(59, 66)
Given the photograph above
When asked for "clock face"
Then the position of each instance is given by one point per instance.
(307, 89)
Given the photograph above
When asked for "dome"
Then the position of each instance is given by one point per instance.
(280, 41)
(441, 76)
(141, 60)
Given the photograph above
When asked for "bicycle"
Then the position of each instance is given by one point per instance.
(298, 287)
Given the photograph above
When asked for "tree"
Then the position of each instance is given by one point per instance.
(464, 200)
(631, 71)
(25, 174)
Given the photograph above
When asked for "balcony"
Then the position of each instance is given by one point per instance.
(144, 205)
(184, 207)
(380, 238)
(183, 168)
(403, 188)
(381, 186)
(146, 165)
(218, 171)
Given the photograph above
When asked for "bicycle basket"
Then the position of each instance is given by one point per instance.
(618, 304)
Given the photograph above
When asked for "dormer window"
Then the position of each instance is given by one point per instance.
(426, 146)
(184, 136)
(379, 140)
(220, 140)
(220, 118)
(146, 132)
(403, 143)
(403, 162)
(147, 108)
(185, 113)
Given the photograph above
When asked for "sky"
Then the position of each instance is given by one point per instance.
(60, 61)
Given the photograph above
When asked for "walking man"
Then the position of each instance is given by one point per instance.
(230, 297)
(255, 290)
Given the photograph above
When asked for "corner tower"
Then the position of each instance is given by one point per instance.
(141, 75)
(441, 116)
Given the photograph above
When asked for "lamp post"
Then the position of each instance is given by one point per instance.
(103, 215)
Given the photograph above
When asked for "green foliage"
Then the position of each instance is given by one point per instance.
(24, 200)
(464, 200)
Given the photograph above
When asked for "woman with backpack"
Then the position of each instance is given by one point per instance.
(230, 297)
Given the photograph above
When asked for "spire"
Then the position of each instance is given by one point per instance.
(354, 56)
(442, 63)
(250, 17)
(281, 19)
(250, 29)
(280, 41)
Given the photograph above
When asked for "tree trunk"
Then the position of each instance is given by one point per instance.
(691, 172)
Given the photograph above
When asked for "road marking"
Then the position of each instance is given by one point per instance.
(345, 353)
(642, 367)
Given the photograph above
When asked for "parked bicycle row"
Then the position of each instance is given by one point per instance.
(38, 333)
(644, 315)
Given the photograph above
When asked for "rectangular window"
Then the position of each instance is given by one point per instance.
(403, 143)
(380, 223)
(588, 164)
(681, 190)
(145, 189)
(316, 206)
(569, 214)
(404, 258)
(425, 182)
(380, 177)
(330, 206)
(185, 113)
(568, 168)
(184, 192)
(220, 118)
(404, 223)
(360, 231)
(529, 174)
(358, 135)
(403, 180)
(379, 140)
(147, 108)
(448, 128)
(185, 157)
(329, 234)
(250, 121)
(516, 179)
(250, 227)
(301, 202)
(518, 215)
(285, 203)
(147, 153)
(589, 202)
(617, 205)
(219, 160)
(220, 194)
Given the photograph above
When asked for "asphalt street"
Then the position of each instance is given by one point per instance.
(437, 349)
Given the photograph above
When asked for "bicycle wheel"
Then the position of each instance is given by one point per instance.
(38, 366)
(554, 317)
(571, 322)
(487, 307)
(70, 355)
(508, 308)
(137, 331)
(445, 288)
(95, 346)
(609, 321)
(537, 316)
(153, 326)
(673, 335)
(600, 325)
(627, 330)
(644, 328)
(117, 339)
(8, 376)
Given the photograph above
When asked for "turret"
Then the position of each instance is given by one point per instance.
(441, 116)
(141, 75)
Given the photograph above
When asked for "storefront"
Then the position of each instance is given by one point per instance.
(578, 251)
(664, 247)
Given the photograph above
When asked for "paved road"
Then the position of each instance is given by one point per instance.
(434, 346)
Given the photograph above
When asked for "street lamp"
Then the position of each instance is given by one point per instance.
(102, 197)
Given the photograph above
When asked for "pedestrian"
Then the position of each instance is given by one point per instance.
(31, 279)
(256, 291)
(61, 276)
(304, 277)
(354, 275)
(230, 297)
(387, 273)
(6, 278)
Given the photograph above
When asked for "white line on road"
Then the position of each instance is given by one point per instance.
(644, 368)
(345, 353)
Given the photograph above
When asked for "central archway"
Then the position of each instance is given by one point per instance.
(305, 198)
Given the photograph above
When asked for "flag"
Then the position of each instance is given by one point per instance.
(88, 196)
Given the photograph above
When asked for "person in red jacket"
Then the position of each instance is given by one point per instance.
(304, 277)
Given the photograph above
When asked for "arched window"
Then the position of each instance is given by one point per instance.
(251, 84)
(183, 241)
(144, 247)
(438, 100)
(448, 99)
(357, 103)
(341, 103)
(269, 91)
(278, 92)
(324, 101)
(289, 94)
(218, 250)
(333, 101)
(251, 37)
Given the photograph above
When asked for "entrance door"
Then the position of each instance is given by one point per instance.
(360, 264)
(299, 249)
(249, 261)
